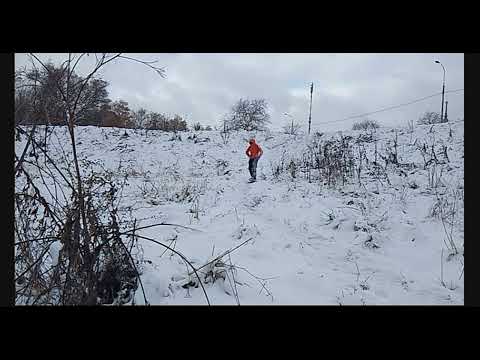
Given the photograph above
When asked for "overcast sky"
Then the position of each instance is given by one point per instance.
(203, 87)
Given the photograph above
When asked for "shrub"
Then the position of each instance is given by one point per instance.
(366, 124)
(430, 117)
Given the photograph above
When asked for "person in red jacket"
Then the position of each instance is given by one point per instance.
(254, 152)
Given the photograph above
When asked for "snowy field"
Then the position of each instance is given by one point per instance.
(373, 240)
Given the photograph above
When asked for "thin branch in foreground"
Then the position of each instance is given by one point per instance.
(222, 255)
(234, 281)
(183, 258)
(136, 269)
(160, 224)
(261, 281)
(160, 71)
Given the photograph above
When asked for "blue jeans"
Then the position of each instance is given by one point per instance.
(252, 167)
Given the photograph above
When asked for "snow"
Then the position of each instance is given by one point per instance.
(313, 244)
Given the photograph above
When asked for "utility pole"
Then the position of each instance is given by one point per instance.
(443, 88)
(310, 116)
(443, 95)
(445, 119)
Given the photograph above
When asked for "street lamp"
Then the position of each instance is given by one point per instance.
(292, 120)
(443, 88)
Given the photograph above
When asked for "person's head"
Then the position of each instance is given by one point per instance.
(251, 141)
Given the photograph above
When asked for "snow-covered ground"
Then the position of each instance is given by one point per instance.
(375, 243)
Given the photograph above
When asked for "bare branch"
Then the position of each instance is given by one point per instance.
(183, 258)
(222, 255)
(158, 70)
(160, 224)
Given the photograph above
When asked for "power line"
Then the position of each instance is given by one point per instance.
(389, 108)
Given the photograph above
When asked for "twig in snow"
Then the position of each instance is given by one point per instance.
(261, 281)
(441, 269)
(160, 224)
(463, 268)
(234, 281)
(222, 255)
(174, 239)
(358, 271)
(183, 258)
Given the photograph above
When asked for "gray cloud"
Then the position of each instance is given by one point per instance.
(203, 87)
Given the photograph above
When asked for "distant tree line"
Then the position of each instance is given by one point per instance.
(144, 119)
(38, 101)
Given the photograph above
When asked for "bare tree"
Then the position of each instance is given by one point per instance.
(122, 111)
(140, 118)
(248, 115)
(47, 84)
(75, 223)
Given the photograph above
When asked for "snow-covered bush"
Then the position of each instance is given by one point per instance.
(366, 124)
(429, 117)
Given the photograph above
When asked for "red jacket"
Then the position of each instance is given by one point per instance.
(254, 150)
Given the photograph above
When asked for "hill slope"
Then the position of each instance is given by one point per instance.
(377, 238)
